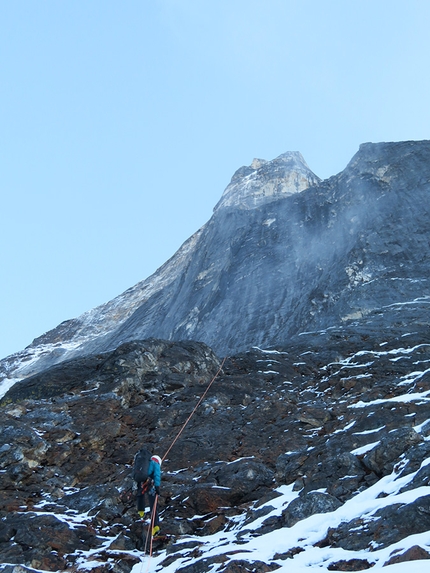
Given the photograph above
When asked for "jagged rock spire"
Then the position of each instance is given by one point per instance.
(264, 181)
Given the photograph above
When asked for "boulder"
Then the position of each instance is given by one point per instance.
(308, 504)
(382, 458)
(414, 553)
(248, 479)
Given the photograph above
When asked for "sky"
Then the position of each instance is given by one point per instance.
(121, 123)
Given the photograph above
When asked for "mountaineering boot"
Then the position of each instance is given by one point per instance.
(155, 530)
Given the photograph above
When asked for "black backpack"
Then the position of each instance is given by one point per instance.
(141, 465)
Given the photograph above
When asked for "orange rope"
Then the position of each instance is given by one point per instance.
(195, 408)
(151, 525)
(149, 533)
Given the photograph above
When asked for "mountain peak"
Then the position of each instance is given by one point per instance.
(265, 181)
(273, 262)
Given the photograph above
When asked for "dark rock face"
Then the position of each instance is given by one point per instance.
(65, 459)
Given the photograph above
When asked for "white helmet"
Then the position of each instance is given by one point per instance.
(156, 459)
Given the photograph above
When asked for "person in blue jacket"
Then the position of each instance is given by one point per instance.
(152, 488)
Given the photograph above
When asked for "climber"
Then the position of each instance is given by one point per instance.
(151, 487)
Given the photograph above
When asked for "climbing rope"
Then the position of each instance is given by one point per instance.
(149, 533)
(151, 524)
(195, 408)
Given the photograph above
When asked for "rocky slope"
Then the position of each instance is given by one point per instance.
(314, 455)
(284, 252)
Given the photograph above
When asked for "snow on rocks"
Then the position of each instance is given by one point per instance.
(268, 475)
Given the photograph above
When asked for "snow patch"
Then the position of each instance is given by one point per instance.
(365, 449)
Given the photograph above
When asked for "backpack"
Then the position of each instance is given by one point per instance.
(141, 465)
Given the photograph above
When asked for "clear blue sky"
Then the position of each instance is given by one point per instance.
(123, 121)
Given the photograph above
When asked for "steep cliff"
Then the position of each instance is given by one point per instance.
(283, 253)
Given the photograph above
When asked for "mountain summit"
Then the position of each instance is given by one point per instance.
(283, 253)
(264, 181)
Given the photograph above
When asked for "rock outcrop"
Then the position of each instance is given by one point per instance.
(266, 181)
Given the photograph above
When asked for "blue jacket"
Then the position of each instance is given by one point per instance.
(154, 472)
